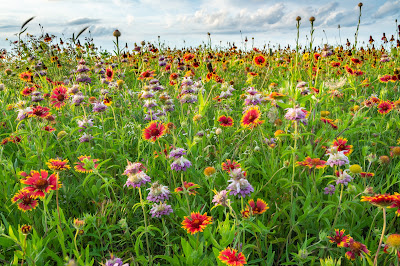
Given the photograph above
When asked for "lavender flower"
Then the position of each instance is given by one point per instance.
(85, 123)
(330, 189)
(177, 153)
(85, 137)
(133, 168)
(99, 107)
(180, 164)
(158, 192)
(137, 180)
(113, 261)
(239, 186)
(295, 114)
(77, 99)
(221, 198)
(343, 178)
(336, 157)
(160, 209)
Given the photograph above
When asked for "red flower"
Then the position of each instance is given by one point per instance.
(40, 183)
(49, 129)
(311, 163)
(26, 200)
(58, 165)
(109, 74)
(259, 207)
(381, 200)
(251, 118)
(341, 144)
(59, 97)
(330, 122)
(196, 222)
(225, 121)
(339, 238)
(366, 174)
(230, 165)
(154, 131)
(385, 107)
(356, 249)
(385, 78)
(259, 60)
(148, 74)
(39, 111)
(232, 257)
(190, 186)
(26, 76)
(28, 91)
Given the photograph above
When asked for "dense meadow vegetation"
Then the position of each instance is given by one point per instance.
(199, 156)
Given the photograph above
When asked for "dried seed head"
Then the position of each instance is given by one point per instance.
(116, 33)
(312, 19)
(298, 18)
(360, 5)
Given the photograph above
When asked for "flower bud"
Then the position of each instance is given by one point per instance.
(117, 33)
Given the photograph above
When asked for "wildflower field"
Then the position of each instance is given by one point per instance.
(199, 156)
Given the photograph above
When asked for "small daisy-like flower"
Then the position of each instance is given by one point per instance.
(154, 131)
(26, 229)
(209, 171)
(251, 118)
(158, 192)
(393, 244)
(26, 201)
(59, 97)
(339, 238)
(366, 174)
(258, 207)
(232, 257)
(58, 164)
(312, 163)
(158, 210)
(385, 107)
(196, 222)
(86, 164)
(356, 249)
(225, 121)
(230, 165)
(40, 183)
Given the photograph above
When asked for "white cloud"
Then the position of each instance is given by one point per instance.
(387, 9)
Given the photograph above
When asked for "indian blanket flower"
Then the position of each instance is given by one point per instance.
(239, 185)
(258, 207)
(251, 117)
(356, 249)
(312, 163)
(380, 200)
(158, 192)
(181, 164)
(59, 97)
(86, 164)
(385, 107)
(148, 74)
(39, 111)
(230, 165)
(342, 145)
(225, 121)
(40, 183)
(393, 243)
(137, 180)
(26, 201)
(339, 238)
(196, 222)
(259, 60)
(154, 131)
(109, 74)
(26, 76)
(221, 198)
(158, 210)
(232, 257)
(189, 186)
(58, 164)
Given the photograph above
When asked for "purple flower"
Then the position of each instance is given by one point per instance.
(113, 261)
(160, 209)
(336, 157)
(99, 107)
(344, 178)
(85, 137)
(295, 114)
(133, 168)
(158, 192)
(330, 189)
(137, 180)
(181, 164)
(221, 198)
(177, 153)
(239, 185)
(77, 99)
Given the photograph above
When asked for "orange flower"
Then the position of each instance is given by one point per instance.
(258, 207)
(196, 222)
(27, 201)
(154, 131)
(40, 183)
(385, 107)
(251, 118)
(58, 165)
(225, 121)
(259, 60)
(339, 238)
(311, 163)
(232, 257)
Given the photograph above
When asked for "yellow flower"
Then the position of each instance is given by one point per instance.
(355, 169)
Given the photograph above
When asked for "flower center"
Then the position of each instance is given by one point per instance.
(61, 97)
(155, 132)
(27, 200)
(196, 223)
(41, 184)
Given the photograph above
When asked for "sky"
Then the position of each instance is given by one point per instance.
(187, 22)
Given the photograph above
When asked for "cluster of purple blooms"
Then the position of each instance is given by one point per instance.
(343, 177)
(190, 90)
(239, 185)
(253, 97)
(82, 76)
(180, 163)
(330, 189)
(296, 114)
(136, 175)
(159, 194)
(156, 100)
(221, 198)
(226, 91)
(336, 158)
(85, 125)
(114, 261)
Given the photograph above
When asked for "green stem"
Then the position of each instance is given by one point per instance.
(145, 226)
(338, 208)
(380, 241)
